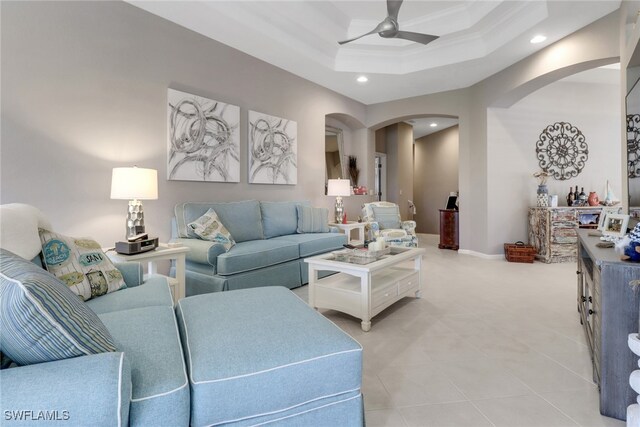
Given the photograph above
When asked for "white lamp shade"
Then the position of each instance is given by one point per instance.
(339, 187)
(134, 183)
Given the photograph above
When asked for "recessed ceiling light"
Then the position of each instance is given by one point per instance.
(362, 79)
(538, 39)
(433, 125)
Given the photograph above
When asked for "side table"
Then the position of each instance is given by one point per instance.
(348, 227)
(162, 252)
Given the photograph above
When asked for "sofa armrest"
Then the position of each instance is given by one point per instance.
(409, 227)
(131, 272)
(82, 391)
(202, 251)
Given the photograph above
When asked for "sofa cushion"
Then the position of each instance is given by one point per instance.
(315, 243)
(154, 292)
(41, 320)
(81, 264)
(247, 256)
(280, 218)
(242, 219)
(267, 347)
(312, 220)
(149, 338)
(209, 227)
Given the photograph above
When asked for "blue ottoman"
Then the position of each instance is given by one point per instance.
(262, 355)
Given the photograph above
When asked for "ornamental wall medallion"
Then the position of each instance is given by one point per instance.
(562, 151)
(633, 145)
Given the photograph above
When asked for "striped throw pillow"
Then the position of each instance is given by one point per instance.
(41, 319)
(312, 220)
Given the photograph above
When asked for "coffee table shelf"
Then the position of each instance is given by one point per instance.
(363, 291)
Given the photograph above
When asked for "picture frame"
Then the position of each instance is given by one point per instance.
(203, 139)
(452, 203)
(606, 211)
(615, 225)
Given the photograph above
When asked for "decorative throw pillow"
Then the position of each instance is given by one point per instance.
(209, 227)
(312, 220)
(41, 319)
(80, 264)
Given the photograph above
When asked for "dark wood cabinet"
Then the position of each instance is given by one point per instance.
(448, 229)
(608, 308)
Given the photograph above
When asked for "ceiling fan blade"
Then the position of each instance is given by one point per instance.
(393, 7)
(416, 37)
(377, 29)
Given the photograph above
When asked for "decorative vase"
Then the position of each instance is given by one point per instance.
(593, 199)
(542, 201)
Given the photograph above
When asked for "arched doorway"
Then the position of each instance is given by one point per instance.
(420, 157)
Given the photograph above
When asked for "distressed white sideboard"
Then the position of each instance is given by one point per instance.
(552, 231)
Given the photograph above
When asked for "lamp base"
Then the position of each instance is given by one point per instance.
(135, 218)
(339, 210)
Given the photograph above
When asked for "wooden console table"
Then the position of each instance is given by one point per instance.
(449, 229)
(608, 308)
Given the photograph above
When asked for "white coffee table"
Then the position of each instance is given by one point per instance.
(365, 290)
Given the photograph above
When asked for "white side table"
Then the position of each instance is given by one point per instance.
(162, 252)
(350, 226)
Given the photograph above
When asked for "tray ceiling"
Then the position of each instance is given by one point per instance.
(477, 38)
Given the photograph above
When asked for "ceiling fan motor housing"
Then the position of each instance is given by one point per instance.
(390, 28)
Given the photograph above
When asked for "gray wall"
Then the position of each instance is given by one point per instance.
(84, 89)
(397, 140)
(435, 176)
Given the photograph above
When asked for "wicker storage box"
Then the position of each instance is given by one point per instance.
(519, 252)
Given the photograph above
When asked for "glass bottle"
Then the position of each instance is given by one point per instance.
(570, 197)
(583, 195)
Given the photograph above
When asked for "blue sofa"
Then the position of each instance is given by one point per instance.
(144, 383)
(268, 250)
(235, 358)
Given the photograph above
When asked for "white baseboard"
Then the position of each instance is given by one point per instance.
(480, 254)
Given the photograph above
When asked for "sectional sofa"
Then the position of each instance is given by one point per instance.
(248, 357)
(269, 251)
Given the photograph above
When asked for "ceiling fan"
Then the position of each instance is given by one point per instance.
(390, 29)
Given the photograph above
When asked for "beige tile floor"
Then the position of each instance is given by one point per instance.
(491, 343)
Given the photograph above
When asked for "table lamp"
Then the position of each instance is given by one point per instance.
(134, 184)
(339, 188)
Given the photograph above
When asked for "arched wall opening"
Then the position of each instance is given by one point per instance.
(588, 98)
(421, 165)
(355, 143)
